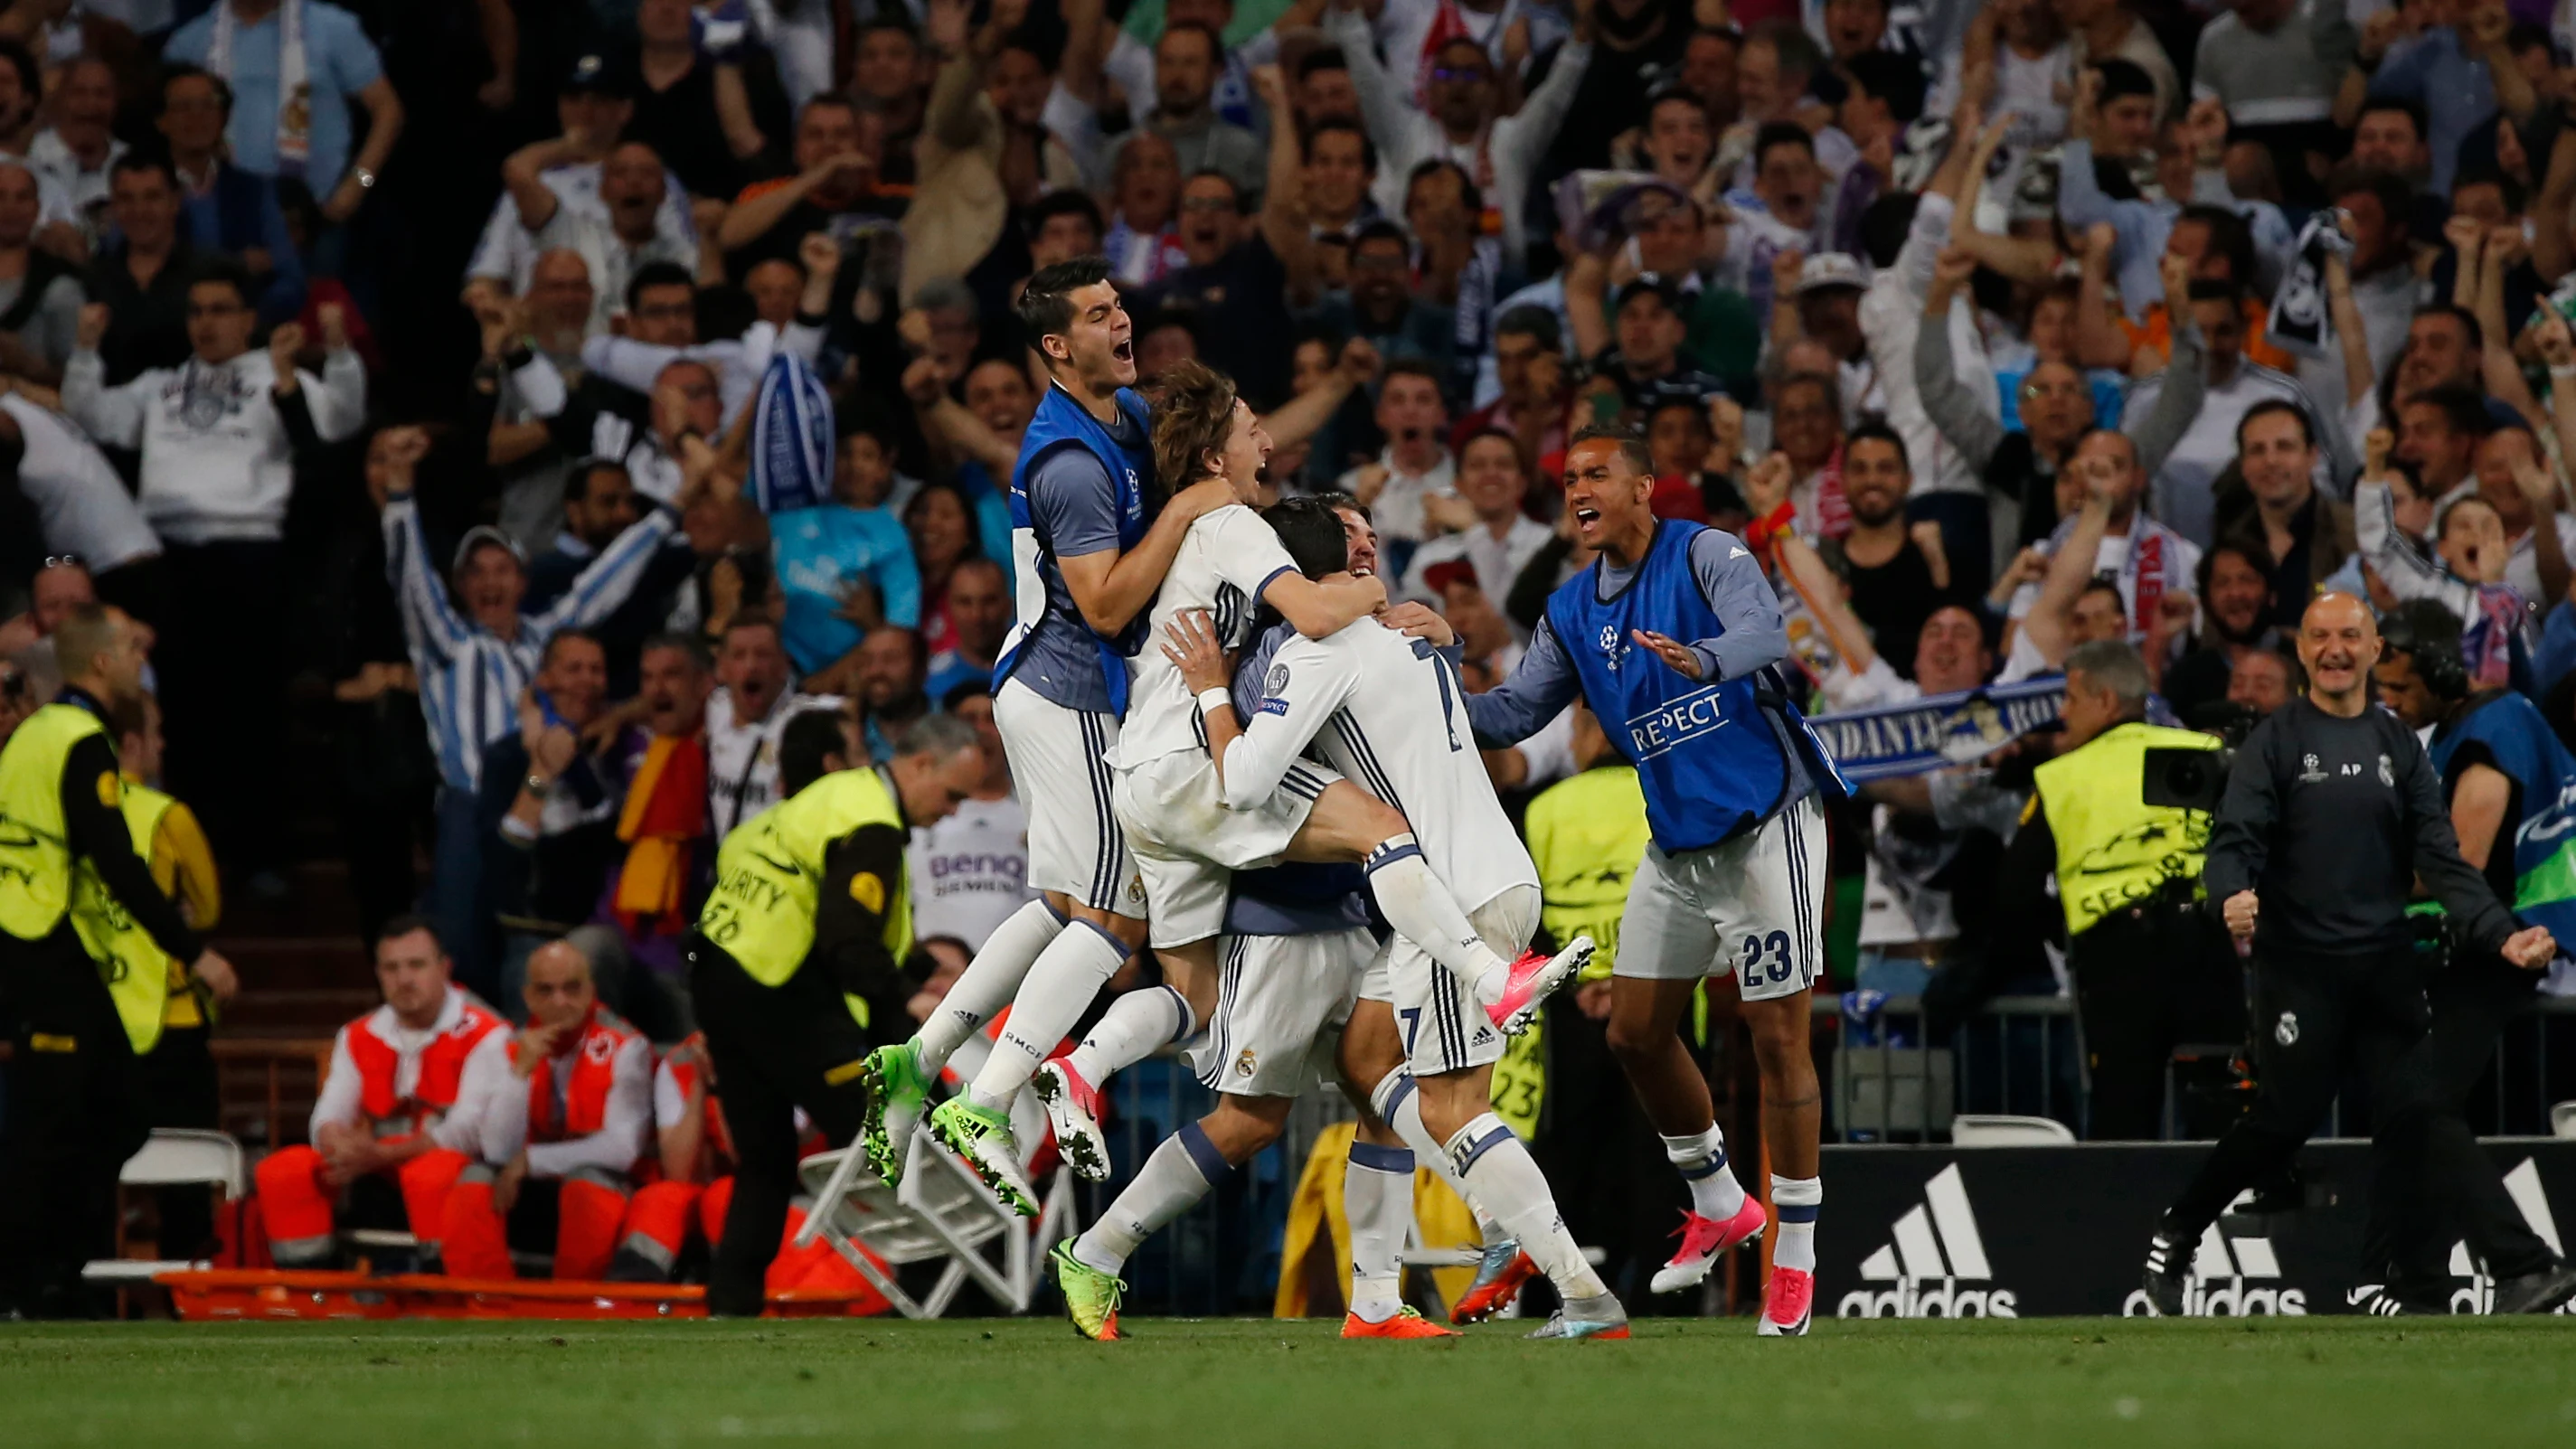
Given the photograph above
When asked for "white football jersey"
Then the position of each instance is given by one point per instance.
(1389, 713)
(1227, 558)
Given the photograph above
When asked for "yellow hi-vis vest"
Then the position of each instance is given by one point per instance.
(41, 882)
(2115, 850)
(769, 875)
(144, 810)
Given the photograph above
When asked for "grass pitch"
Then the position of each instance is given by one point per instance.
(2262, 1383)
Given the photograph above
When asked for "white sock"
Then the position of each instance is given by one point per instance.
(1503, 1173)
(1797, 1200)
(1400, 1107)
(986, 984)
(1377, 1197)
(1701, 1159)
(1418, 904)
(1174, 1178)
(1130, 1030)
(1060, 986)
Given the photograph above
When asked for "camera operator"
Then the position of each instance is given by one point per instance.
(2150, 970)
(2331, 813)
(2505, 776)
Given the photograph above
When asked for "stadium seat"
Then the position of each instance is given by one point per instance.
(2562, 1119)
(173, 1157)
(1997, 1130)
(942, 1213)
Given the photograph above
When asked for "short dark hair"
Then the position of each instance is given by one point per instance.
(1531, 320)
(1632, 448)
(144, 158)
(1311, 532)
(2465, 409)
(1469, 196)
(1065, 203)
(404, 925)
(2413, 111)
(2470, 326)
(657, 274)
(2229, 237)
(2271, 407)
(1322, 57)
(561, 637)
(576, 484)
(810, 735)
(1215, 42)
(1875, 431)
(1892, 78)
(2395, 197)
(2123, 78)
(222, 271)
(1331, 124)
(1408, 367)
(689, 644)
(1781, 133)
(2489, 175)
(184, 71)
(1046, 304)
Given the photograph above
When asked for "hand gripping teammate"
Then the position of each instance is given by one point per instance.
(1670, 636)
(1190, 834)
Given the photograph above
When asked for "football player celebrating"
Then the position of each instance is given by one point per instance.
(1673, 629)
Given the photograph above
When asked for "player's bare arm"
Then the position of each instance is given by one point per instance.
(1111, 588)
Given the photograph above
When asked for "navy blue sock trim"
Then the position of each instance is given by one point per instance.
(1110, 936)
(1189, 1019)
(1481, 1146)
(1797, 1212)
(1383, 857)
(1710, 1168)
(1210, 1162)
(1061, 918)
(1403, 1088)
(1382, 1159)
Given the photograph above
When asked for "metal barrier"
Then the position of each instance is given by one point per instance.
(2024, 1055)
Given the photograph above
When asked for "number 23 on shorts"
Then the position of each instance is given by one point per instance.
(1764, 958)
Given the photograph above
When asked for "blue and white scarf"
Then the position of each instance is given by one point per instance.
(791, 437)
(1936, 731)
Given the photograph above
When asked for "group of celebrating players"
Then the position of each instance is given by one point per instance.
(1225, 737)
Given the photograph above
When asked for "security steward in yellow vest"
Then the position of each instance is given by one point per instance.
(179, 1085)
(810, 918)
(84, 939)
(2150, 970)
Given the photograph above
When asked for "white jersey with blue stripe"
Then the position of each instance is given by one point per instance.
(1389, 713)
(1225, 561)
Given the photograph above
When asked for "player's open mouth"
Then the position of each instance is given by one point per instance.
(1587, 516)
(1124, 349)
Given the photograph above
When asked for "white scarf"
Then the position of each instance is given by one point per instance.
(294, 88)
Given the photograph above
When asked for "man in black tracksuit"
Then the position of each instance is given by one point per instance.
(2332, 812)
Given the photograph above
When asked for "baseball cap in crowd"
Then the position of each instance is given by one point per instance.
(1832, 269)
(600, 72)
(479, 536)
(1440, 576)
(1645, 283)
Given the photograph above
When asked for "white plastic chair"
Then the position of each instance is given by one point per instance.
(2562, 1120)
(174, 1157)
(943, 1212)
(1998, 1130)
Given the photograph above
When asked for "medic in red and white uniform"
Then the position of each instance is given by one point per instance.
(405, 1097)
(566, 1139)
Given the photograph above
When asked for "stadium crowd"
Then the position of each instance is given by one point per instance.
(549, 430)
